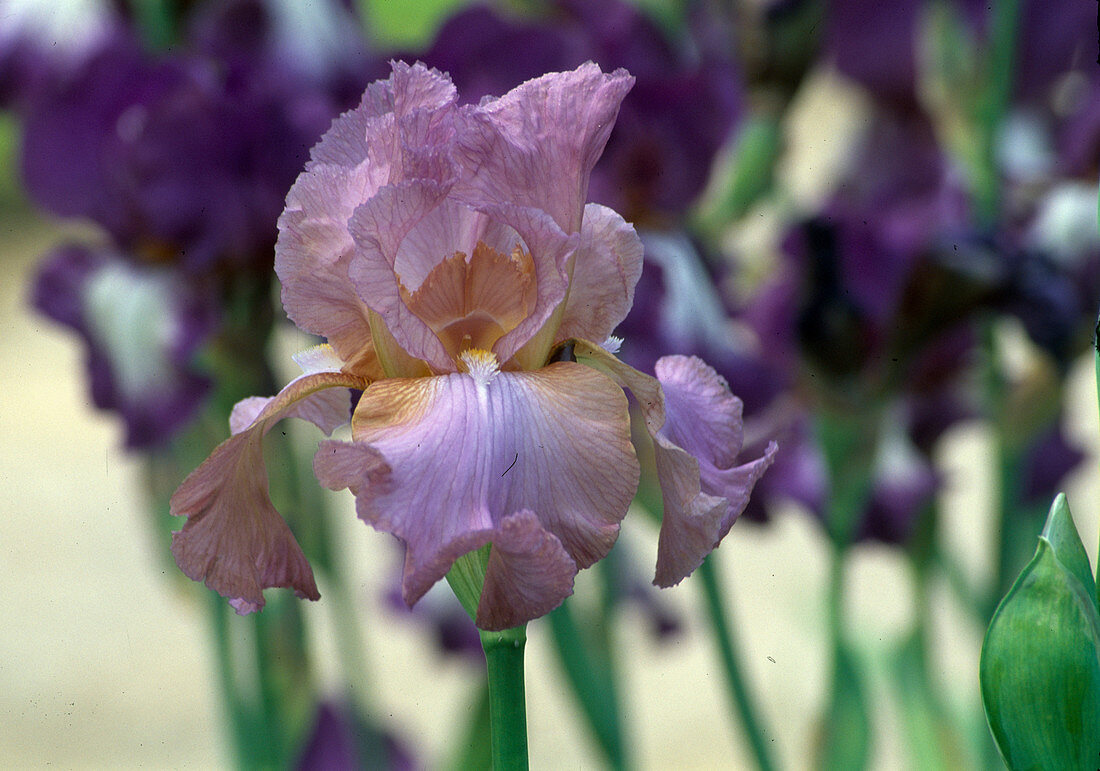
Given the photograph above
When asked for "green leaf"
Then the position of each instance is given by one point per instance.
(1062, 534)
(402, 24)
(1040, 662)
(846, 739)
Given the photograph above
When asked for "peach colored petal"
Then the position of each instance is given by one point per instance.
(470, 302)
(234, 540)
(443, 462)
(695, 426)
(379, 227)
(530, 341)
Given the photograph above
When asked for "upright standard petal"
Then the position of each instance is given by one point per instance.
(234, 539)
(311, 257)
(400, 129)
(695, 424)
(536, 145)
(444, 463)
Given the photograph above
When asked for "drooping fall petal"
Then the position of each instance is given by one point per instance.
(704, 418)
(444, 462)
(234, 539)
(695, 425)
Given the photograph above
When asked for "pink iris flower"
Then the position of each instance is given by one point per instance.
(446, 253)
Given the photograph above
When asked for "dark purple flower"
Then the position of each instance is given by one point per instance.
(1047, 462)
(184, 159)
(42, 44)
(140, 326)
(876, 44)
(1078, 135)
(340, 741)
(1053, 38)
(187, 158)
(873, 43)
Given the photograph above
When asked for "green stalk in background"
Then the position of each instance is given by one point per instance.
(592, 681)
(848, 440)
(747, 720)
(737, 687)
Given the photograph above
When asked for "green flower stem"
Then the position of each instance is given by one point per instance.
(242, 728)
(592, 681)
(156, 19)
(848, 439)
(1004, 26)
(738, 689)
(507, 701)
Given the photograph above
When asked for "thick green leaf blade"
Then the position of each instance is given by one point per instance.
(1062, 534)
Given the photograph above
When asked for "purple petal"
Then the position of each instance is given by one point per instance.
(536, 145)
(605, 271)
(140, 328)
(445, 462)
(702, 491)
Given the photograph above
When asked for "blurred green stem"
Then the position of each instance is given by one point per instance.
(592, 681)
(847, 435)
(507, 699)
(1096, 355)
(242, 730)
(474, 750)
(156, 19)
(737, 687)
(1004, 26)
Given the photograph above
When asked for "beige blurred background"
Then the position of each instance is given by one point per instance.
(105, 662)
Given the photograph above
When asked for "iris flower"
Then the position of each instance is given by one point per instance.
(447, 255)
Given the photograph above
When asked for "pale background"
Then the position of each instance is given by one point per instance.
(104, 662)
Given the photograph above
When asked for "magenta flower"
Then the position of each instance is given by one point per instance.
(446, 253)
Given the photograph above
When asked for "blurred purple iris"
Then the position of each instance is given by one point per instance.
(183, 159)
(878, 44)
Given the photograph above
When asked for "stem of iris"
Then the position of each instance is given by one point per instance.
(503, 665)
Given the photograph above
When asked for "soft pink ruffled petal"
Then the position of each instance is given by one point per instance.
(409, 89)
(606, 269)
(529, 574)
(396, 130)
(695, 424)
(439, 233)
(442, 463)
(536, 145)
(327, 409)
(234, 539)
(311, 258)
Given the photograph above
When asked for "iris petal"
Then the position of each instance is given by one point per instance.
(695, 424)
(234, 539)
(444, 462)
